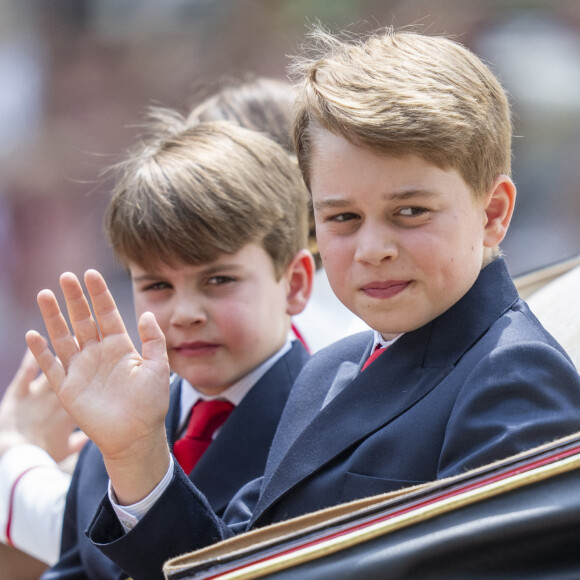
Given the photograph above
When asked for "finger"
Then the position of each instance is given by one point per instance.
(81, 319)
(152, 338)
(26, 373)
(50, 366)
(106, 311)
(63, 342)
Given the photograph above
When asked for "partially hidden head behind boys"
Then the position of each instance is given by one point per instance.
(211, 222)
(404, 141)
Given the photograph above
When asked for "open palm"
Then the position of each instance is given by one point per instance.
(117, 396)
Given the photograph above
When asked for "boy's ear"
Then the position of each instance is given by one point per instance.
(499, 208)
(300, 275)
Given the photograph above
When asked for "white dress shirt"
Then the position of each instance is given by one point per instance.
(380, 342)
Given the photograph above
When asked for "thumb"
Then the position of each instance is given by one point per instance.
(152, 339)
(76, 441)
(26, 373)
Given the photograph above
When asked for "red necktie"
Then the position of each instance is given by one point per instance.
(373, 356)
(206, 418)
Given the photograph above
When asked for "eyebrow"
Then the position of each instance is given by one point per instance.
(410, 194)
(216, 268)
(144, 277)
(211, 269)
(338, 202)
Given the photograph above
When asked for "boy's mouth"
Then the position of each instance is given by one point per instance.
(385, 289)
(196, 348)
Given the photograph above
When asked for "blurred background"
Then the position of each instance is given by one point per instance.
(78, 75)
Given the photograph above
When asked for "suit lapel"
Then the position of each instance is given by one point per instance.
(307, 398)
(347, 372)
(242, 444)
(409, 370)
(387, 388)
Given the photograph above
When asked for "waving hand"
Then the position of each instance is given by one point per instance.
(117, 396)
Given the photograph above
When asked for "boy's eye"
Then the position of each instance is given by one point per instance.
(412, 211)
(157, 286)
(219, 280)
(342, 217)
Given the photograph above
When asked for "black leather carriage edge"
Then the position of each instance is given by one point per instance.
(516, 518)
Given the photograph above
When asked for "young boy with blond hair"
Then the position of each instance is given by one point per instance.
(211, 223)
(404, 141)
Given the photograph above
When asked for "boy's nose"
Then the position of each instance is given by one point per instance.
(188, 311)
(374, 245)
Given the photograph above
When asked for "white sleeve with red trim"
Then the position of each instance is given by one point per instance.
(32, 498)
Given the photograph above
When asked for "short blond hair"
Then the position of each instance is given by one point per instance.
(401, 92)
(189, 194)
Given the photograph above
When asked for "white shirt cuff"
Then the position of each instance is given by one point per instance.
(129, 515)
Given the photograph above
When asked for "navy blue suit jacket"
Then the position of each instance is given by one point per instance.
(237, 455)
(481, 382)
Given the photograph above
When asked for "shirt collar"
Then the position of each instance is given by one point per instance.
(380, 342)
(234, 394)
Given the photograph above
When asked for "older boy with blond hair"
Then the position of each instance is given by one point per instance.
(404, 142)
